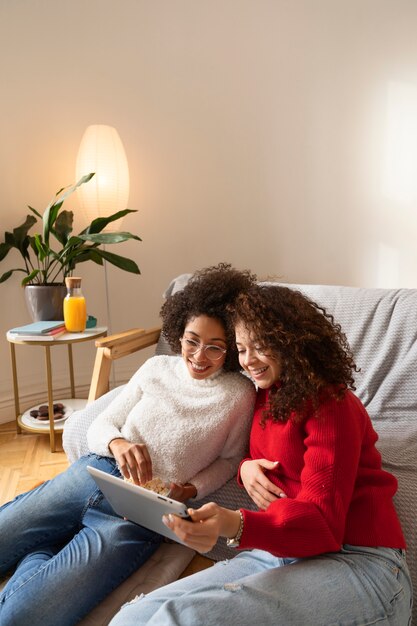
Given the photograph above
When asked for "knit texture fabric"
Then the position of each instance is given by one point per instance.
(331, 472)
(195, 430)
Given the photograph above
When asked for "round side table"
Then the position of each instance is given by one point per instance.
(67, 339)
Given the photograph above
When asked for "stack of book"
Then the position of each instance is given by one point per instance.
(40, 331)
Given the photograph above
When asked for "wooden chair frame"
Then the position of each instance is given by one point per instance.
(115, 347)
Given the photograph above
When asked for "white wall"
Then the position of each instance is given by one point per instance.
(279, 135)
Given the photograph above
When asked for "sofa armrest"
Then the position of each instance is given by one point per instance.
(115, 347)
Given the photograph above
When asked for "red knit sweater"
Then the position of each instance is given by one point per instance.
(331, 472)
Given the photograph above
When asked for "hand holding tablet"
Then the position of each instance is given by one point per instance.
(137, 504)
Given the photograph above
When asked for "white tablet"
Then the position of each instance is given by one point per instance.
(139, 505)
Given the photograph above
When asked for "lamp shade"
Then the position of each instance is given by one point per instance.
(101, 151)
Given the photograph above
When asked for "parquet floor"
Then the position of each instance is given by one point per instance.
(26, 460)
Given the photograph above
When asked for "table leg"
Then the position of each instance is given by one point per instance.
(71, 370)
(15, 387)
(50, 398)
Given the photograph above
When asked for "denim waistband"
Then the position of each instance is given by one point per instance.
(395, 552)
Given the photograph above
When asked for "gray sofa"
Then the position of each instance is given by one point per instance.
(381, 326)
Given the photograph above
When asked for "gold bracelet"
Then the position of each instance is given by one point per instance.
(234, 543)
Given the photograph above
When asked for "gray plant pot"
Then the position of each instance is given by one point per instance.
(45, 302)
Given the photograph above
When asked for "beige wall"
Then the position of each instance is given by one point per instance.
(279, 135)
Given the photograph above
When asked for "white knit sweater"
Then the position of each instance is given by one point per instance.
(196, 431)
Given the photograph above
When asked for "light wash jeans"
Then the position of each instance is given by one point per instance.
(69, 546)
(354, 587)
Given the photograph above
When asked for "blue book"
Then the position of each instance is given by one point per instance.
(36, 328)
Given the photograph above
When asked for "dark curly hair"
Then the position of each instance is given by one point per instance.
(315, 356)
(208, 292)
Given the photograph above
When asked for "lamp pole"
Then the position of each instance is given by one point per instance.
(101, 151)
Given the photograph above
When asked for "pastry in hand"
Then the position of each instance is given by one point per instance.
(156, 484)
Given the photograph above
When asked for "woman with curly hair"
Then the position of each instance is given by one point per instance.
(326, 546)
(184, 419)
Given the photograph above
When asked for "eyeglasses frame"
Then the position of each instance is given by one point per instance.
(203, 347)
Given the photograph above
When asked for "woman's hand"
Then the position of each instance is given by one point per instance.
(208, 523)
(259, 487)
(182, 492)
(133, 459)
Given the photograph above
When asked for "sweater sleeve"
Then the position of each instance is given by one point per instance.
(107, 426)
(313, 522)
(225, 466)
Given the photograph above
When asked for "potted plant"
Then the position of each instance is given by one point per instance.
(51, 255)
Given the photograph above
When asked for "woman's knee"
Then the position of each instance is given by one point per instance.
(130, 614)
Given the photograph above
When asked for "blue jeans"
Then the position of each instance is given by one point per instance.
(356, 586)
(70, 548)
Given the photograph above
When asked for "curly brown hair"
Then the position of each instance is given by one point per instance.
(208, 292)
(315, 356)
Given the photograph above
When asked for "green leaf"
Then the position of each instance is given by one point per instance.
(7, 275)
(30, 277)
(89, 254)
(54, 206)
(48, 219)
(4, 250)
(33, 245)
(34, 211)
(9, 239)
(63, 226)
(100, 223)
(61, 190)
(119, 261)
(108, 238)
(72, 188)
(42, 249)
(71, 253)
(21, 232)
(74, 240)
(18, 239)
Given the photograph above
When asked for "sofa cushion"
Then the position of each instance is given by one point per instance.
(74, 436)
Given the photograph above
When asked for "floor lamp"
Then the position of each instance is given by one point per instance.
(101, 151)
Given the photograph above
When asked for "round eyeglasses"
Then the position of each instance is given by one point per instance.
(212, 352)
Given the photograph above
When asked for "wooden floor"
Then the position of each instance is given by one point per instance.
(26, 460)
